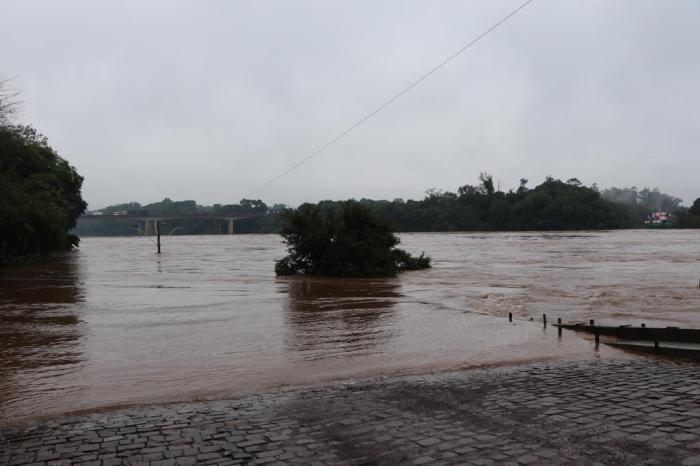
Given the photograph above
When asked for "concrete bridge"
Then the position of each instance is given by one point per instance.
(149, 221)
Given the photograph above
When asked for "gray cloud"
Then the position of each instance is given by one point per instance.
(208, 100)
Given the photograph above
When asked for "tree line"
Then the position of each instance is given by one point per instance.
(552, 205)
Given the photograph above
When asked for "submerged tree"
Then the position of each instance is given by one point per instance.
(343, 240)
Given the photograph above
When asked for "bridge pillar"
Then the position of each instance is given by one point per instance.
(230, 226)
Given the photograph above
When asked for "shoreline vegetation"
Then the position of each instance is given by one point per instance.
(40, 197)
(550, 206)
(40, 192)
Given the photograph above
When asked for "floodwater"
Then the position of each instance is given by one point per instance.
(115, 324)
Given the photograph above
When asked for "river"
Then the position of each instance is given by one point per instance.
(115, 324)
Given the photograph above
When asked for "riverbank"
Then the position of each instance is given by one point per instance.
(596, 412)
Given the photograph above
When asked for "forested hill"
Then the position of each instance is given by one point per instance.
(552, 205)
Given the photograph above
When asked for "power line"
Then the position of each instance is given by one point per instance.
(390, 101)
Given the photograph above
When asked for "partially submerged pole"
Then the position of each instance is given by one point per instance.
(158, 235)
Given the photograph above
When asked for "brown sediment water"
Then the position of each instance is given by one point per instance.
(113, 323)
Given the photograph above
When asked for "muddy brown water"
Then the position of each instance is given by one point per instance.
(115, 324)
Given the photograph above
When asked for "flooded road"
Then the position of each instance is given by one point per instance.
(114, 324)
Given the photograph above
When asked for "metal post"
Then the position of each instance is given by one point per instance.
(158, 234)
(510, 317)
(544, 319)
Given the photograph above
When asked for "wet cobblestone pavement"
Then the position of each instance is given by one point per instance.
(601, 412)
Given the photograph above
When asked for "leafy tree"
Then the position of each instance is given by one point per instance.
(246, 206)
(627, 196)
(346, 240)
(125, 207)
(522, 189)
(486, 184)
(653, 199)
(278, 208)
(555, 205)
(40, 197)
(695, 209)
(689, 218)
(253, 206)
(169, 207)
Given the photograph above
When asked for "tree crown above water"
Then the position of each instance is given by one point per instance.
(342, 240)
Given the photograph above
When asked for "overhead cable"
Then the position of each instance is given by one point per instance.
(388, 102)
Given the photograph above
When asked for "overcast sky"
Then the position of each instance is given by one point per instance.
(208, 100)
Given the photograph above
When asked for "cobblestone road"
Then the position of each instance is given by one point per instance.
(631, 412)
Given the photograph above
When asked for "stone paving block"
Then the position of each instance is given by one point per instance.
(426, 442)
(627, 412)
